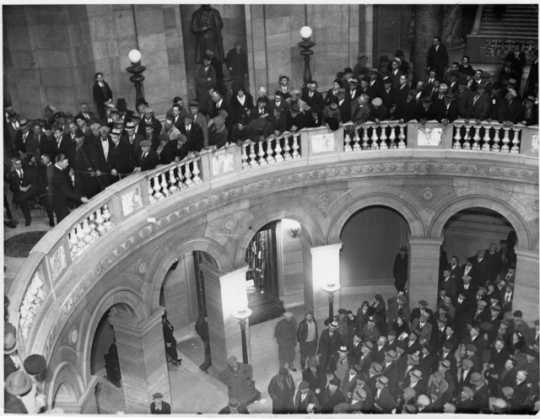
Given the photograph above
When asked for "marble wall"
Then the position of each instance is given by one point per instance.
(273, 34)
(52, 53)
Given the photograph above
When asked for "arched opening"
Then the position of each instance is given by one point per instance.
(183, 294)
(276, 257)
(65, 398)
(485, 240)
(104, 362)
(371, 238)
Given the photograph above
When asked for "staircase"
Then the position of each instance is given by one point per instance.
(519, 21)
(497, 28)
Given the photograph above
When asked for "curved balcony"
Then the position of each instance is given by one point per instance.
(45, 292)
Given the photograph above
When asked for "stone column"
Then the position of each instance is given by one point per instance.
(143, 364)
(325, 261)
(526, 285)
(427, 25)
(225, 293)
(424, 270)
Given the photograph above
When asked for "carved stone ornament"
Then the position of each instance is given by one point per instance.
(31, 303)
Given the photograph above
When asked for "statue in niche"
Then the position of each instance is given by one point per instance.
(452, 26)
(206, 25)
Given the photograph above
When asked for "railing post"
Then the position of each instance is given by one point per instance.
(115, 208)
(206, 164)
(304, 144)
(529, 141)
(412, 134)
(447, 137)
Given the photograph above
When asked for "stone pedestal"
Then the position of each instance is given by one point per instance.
(526, 285)
(143, 364)
(325, 268)
(424, 270)
(225, 293)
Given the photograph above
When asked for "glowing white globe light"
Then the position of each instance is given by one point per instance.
(134, 56)
(306, 32)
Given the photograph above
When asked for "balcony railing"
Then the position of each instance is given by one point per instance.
(41, 279)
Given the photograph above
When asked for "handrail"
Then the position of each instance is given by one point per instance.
(41, 278)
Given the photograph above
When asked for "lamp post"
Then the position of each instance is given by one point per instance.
(242, 315)
(331, 289)
(136, 69)
(305, 50)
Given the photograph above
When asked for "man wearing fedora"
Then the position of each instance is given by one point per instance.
(401, 270)
(158, 406)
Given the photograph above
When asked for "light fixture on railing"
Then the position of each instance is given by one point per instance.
(136, 70)
(305, 50)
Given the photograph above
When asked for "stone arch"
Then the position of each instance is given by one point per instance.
(308, 221)
(349, 207)
(67, 383)
(162, 263)
(114, 296)
(435, 230)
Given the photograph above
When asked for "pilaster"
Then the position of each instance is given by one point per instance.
(424, 270)
(526, 285)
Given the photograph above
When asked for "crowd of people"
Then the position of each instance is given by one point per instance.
(62, 159)
(469, 354)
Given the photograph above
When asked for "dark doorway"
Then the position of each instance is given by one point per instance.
(262, 275)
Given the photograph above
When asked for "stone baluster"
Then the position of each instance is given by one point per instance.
(457, 137)
(365, 138)
(375, 138)
(287, 146)
(515, 141)
(296, 146)
(181, 177)
(196, 170)
(401, 136)
(187, 174)
(107, 218)
(467, 138)
(251, 154)
(476, 138)
(384, 137)
(505, 141)
(270, 150)
(151, 190)
(157, 187)
(245, 164)
(485, 138)
(356, 139)
(261, 154)
(392, 136)
(347, 142)
(164, 184)
(279, 150)
(496, 140)
(172, 181)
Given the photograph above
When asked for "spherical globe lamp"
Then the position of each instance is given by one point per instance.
(135, 56)
(306, 32)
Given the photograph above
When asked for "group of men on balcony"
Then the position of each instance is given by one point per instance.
(101, 149)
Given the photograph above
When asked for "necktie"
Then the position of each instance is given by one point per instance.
(20, 172)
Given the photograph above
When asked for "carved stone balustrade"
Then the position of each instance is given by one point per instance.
(382, 135)
(88, 230)
(271, 150)
(175, 178)
(487, 136)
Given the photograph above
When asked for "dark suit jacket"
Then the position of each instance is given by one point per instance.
(437, 59)
(62, 193)
(147, 162)
(480, 108)
(121, 158)
(165, 409)
(385, 402)
(101, 95)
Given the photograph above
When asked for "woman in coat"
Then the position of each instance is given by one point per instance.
(281, 390)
